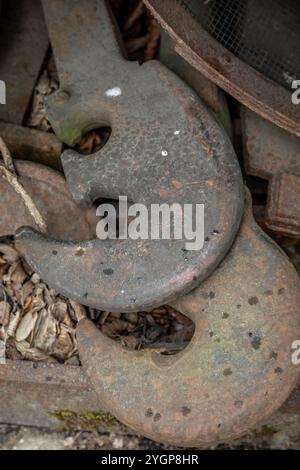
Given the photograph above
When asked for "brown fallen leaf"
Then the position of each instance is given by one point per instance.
(26, 325)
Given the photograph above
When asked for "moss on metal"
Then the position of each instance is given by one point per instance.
(88, 420)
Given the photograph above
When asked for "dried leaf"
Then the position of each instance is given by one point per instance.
(13, 323)
(31, 354)
(3, 335)
(132, 317)
(28, 303)
(68, 321)
(49, 295)
(59, 310)
(45, 332)
(9, 254)
(117, 328)
(65, 344)
(37, 304)
(19, 275)
(26, 326)
(3, 267)
(5, 309)
(27, 290)
(35, 279)
(79, 310)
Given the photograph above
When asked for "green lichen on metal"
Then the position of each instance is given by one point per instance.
(87, 420)
(70, 135)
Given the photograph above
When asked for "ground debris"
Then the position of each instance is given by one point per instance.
(38, 324)
(47, 84)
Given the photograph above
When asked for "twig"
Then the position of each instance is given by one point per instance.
(8, 161)
(10, 174)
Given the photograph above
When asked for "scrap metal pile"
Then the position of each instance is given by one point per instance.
(204, 337)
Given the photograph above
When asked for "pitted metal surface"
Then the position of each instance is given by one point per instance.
(23, 48)
(273, 154)
(237, 369)
(165, 147)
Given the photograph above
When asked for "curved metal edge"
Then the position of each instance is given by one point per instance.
(204, 53)
(237, 369)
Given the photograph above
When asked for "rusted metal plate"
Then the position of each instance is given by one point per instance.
(283, 210)
(274, 154)
(37, 394)
(212, 95)
(268, 150)
(239, 79)
(237, 369)
(55, 395)
(49, 191)
(292, 404)
(165, 147)
(23, 47)
(25, 143)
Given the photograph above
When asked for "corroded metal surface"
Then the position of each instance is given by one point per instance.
(212, 95)
(49, 191)
(283, 208)
(237, 369)
(165, 148)
(25, 143)
(39, 394)
(23, 47)
(274, 154)
(56, 395)
(243, 82)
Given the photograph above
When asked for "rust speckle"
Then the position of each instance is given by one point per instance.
(238, 403)
(253, 300)
(149, 413)
(177, 184)
(185, 410)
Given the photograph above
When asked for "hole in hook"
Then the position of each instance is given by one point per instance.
(93, 140)
(163, 330)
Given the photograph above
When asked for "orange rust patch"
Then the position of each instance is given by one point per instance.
(211, 183)
(177, 184)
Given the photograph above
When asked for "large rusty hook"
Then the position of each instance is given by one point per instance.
(237, 369)
(165, 147)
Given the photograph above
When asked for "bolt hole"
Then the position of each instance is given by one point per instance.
(163, 330)
(93, 140)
